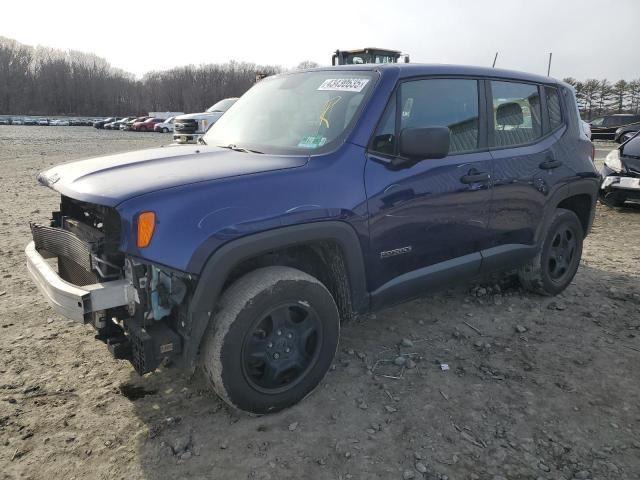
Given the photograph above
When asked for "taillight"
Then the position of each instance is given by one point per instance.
(146, 227)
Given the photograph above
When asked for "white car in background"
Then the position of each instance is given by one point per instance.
(59, 123)
(166, 126)
(189, 128)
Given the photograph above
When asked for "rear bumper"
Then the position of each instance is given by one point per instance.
(74, 302)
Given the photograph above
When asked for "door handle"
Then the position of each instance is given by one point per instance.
(550, 163)
(475, 177)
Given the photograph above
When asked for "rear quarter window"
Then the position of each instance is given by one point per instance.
(553, 107)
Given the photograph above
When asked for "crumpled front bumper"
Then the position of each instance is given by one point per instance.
(72, 301)
(618, 186)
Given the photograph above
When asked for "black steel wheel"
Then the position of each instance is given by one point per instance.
(282, 347)
(562, 252)
(552, 270)
(272, 339)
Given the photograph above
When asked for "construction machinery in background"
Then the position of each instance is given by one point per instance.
(368, 55)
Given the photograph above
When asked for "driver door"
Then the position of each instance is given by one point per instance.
(428, 222)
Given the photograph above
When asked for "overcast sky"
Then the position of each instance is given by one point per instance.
(588, 38)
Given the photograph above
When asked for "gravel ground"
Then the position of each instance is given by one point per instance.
(537, 388)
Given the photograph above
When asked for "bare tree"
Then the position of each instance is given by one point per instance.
(620, 92)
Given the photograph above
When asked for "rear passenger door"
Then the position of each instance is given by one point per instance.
(526, 122)
(428, 221)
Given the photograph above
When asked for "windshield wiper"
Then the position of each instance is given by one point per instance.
(236, 148)
(201, 141)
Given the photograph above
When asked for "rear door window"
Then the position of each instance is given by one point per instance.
(516, 113)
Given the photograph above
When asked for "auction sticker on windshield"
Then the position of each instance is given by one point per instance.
(344, 84)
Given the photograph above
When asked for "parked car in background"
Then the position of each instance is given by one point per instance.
(127, 125)
(188, 128)
(621, 174)
(625, 133)
(166, 126)
(59, 123)
(146, 125)
(100, 123)
(43, 121)
(5, 121)
(321, 195)
(17, 121)
(165, 114)
(605, 128)
(627, 136)
(116, 125)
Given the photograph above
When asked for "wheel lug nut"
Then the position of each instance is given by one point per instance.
(270, 345)
(287, 350)
(276, 355)
(279, 332)
(289, 335)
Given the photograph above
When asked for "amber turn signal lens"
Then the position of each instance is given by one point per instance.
(146, 226)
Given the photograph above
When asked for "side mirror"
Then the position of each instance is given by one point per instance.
(424, 143)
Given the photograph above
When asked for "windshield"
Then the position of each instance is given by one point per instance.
(222, 105)
(294, 113)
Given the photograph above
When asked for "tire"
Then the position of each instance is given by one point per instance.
(272, 339)
(551, 271)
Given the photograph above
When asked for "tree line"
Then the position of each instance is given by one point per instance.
(45, 81)
(599, 97)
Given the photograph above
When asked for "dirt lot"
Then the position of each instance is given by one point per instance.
(538, 388)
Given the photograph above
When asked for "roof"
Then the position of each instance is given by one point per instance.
(418, 69)
(366, 49)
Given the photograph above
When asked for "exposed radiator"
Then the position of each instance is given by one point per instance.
(74, 254)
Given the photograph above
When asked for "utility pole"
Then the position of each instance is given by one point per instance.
(494, 60)
(549, 67)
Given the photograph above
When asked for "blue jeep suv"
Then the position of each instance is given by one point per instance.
(318, 196)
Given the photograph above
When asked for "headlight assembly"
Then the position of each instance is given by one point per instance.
(613, 161)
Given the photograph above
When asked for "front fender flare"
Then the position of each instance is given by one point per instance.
(221, 263)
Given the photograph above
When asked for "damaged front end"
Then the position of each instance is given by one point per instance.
(135, 306)
(620, 177)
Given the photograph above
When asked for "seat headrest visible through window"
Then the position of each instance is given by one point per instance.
(509, 114)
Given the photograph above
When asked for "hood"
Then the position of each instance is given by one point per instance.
(199, 116)
(113, 179)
